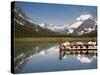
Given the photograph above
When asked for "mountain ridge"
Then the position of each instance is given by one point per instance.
(24, 27)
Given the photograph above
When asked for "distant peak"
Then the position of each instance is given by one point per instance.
(84, 16)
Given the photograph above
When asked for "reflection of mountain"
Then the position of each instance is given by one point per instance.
(27, 50)
(85, 58)
(50, 50)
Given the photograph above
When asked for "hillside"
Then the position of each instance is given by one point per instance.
(23, 27)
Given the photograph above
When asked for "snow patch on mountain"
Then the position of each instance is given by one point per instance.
(21, 16)
(75, 25)
(42, 25)
(57, 27)
(54, 28)
(21, 23)
(84, 17)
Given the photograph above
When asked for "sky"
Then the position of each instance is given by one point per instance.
(58, 14)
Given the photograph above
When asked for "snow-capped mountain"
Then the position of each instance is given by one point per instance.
(84, 24)
(56, 28)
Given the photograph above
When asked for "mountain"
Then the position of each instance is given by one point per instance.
(25, 28)
(55, 28)
(84, 24)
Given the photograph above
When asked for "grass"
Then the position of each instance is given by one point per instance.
(55, 39)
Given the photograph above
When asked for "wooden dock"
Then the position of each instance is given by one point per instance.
(76, 49)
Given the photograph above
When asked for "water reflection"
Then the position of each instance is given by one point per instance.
(41, 57)
(82, 57)
(27, 50)
(86, 58)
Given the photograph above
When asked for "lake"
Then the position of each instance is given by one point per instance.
(30, 57)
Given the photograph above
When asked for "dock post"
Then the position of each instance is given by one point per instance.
(60, 50)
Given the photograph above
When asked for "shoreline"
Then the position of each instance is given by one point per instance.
(56, 39)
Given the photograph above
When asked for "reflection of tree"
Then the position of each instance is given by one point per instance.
(26, 51)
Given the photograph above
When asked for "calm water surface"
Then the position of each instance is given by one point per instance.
(43, 57)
